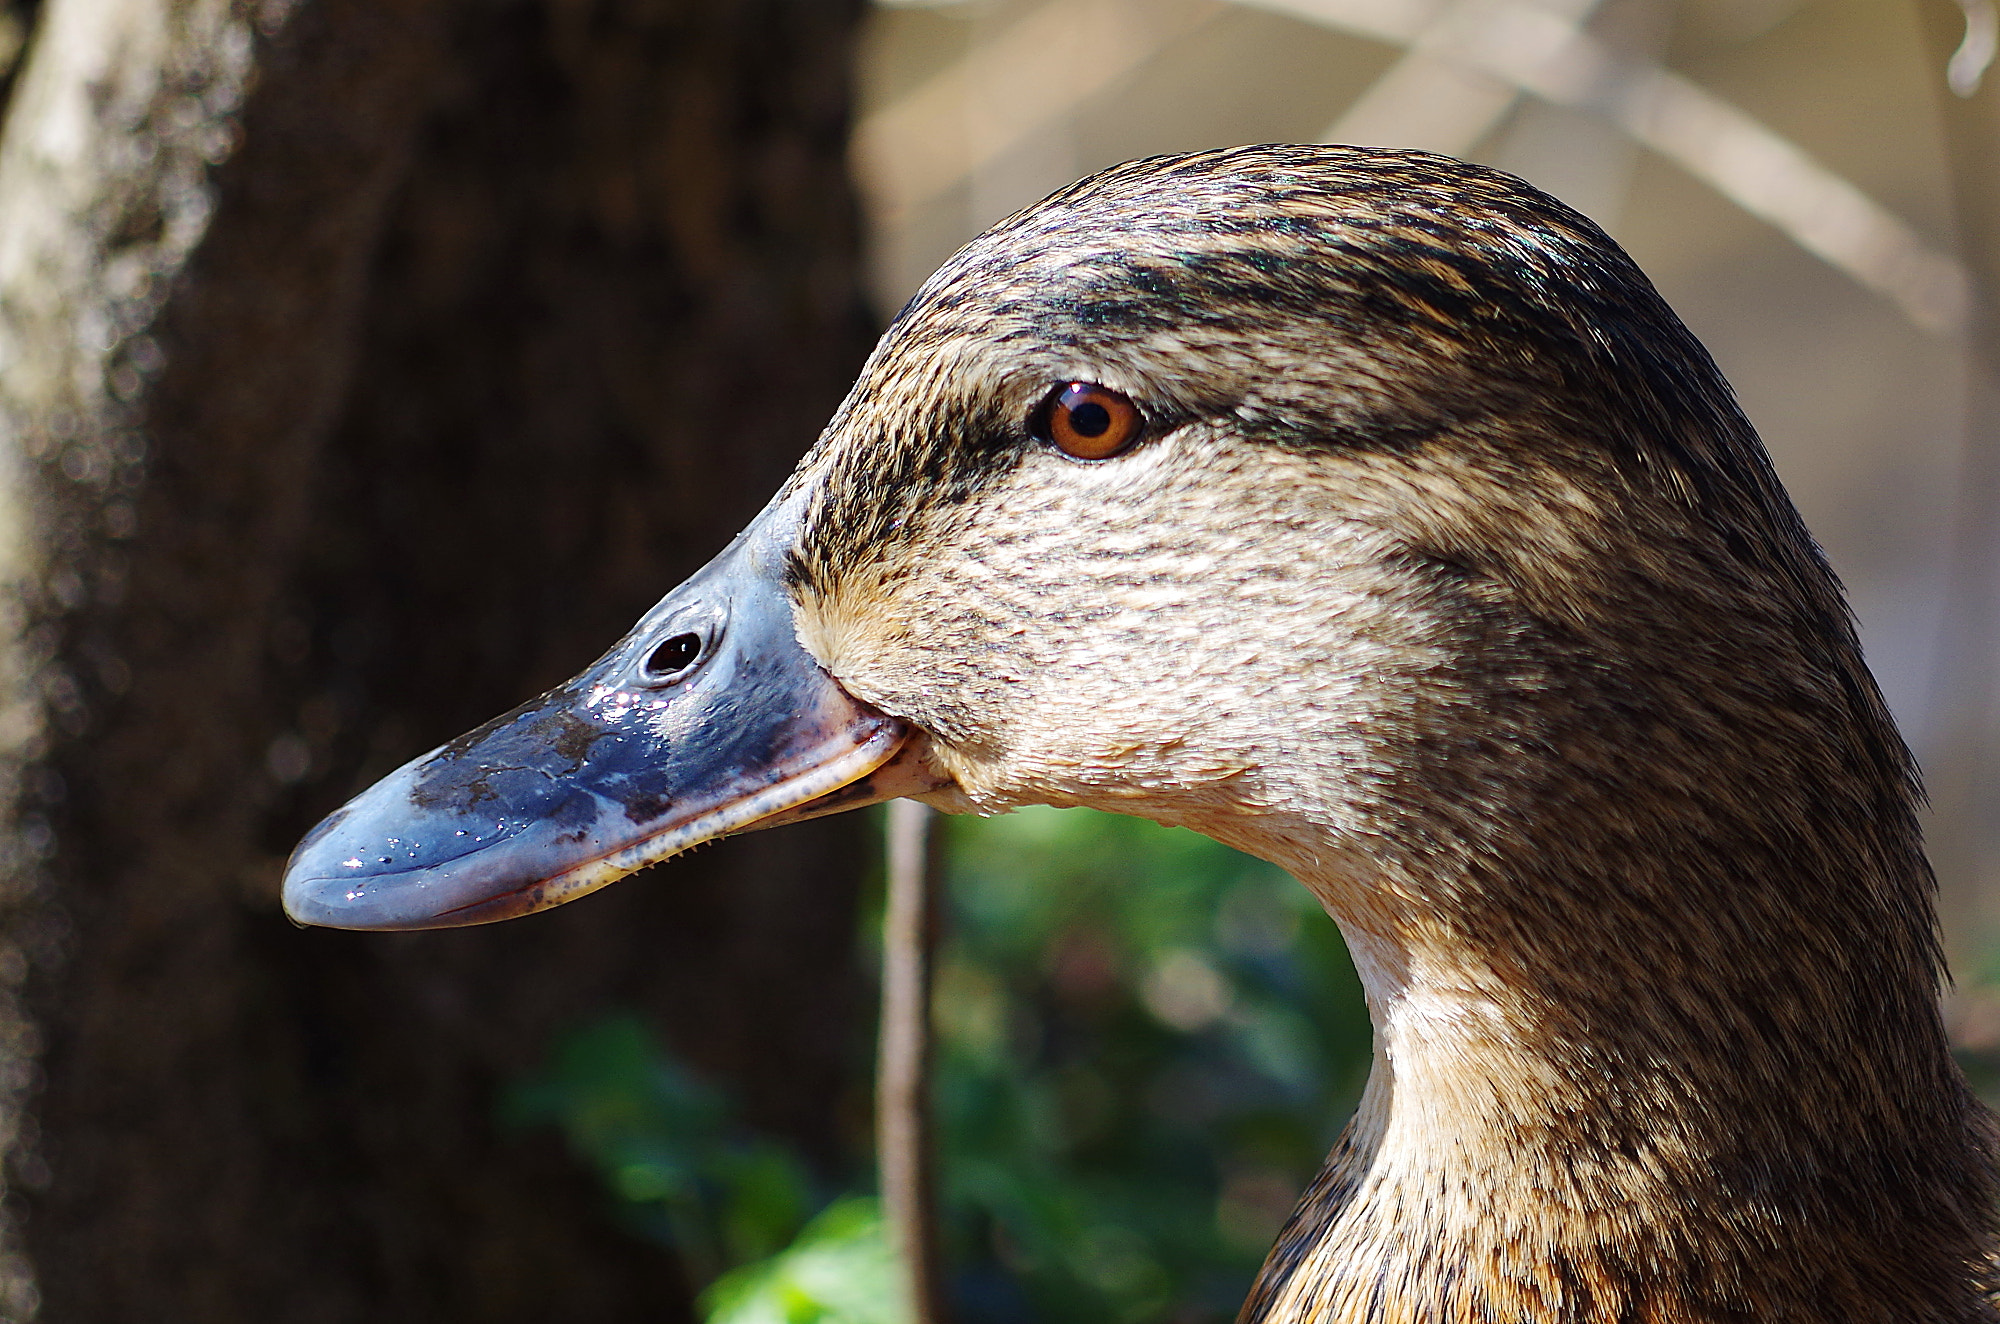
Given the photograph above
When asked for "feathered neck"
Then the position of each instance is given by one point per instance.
(1661, 1044)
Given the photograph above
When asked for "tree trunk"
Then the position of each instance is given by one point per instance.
(365, 367)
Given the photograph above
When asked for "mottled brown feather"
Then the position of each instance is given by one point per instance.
(1451, 577)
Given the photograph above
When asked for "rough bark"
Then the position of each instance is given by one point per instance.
(369, 365)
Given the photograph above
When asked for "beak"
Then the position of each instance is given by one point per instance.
(708, 718)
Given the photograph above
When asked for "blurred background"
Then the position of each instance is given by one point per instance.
(365, 368)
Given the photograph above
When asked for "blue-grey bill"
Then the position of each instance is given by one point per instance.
(627, 764)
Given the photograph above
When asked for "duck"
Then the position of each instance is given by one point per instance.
(1370, 512)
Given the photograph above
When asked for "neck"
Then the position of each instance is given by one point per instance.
(1554, 1132)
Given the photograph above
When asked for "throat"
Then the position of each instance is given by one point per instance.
(1465, 1185)
(1510, 1164)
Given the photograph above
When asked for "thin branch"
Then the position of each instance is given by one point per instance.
(902, 1082)
(1003, 91)
(1432, 100)
(927, 142)
(1959, 742)
(1544, 52)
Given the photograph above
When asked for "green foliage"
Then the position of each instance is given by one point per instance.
(681, 1171)
(839, 1271)
(1146, 1043)
(1977, 1031)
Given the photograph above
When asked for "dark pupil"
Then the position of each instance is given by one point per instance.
(677, 654)
(1089, 419)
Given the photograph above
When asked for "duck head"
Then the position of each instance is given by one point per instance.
(1269, 492)
(1370, 512)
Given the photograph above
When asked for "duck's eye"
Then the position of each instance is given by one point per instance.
(673, 657)
(1089, 421)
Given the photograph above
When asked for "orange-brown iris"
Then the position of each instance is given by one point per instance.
(1089, 421)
